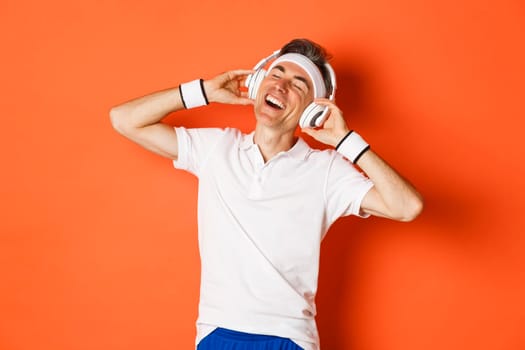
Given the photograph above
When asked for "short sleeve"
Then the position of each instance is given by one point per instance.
(194, 147)
(345, 189)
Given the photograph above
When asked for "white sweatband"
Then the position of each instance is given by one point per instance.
(192, 94)
(352, 146)
(309, 67)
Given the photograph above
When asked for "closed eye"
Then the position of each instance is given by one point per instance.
(298, 82)
(299, 86)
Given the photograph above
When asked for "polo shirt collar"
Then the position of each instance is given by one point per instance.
(298, 151)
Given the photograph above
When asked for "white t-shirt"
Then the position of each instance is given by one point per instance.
(260, 227)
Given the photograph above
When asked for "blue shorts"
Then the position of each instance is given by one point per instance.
(225, 339)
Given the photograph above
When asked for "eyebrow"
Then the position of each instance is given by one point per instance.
(298, 77)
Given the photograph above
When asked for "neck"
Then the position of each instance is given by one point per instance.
(271, 142)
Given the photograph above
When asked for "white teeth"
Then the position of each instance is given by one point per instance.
(275, 101)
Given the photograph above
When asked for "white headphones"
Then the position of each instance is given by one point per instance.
(314, 114)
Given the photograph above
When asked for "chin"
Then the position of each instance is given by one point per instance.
(265, 120)
(263, 114)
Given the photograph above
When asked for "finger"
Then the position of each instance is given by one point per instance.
(242, 101)
(232, 75)
(237, 76)
(328, 103)
(246, 101)
(242, 81)
(324, 102)
(237, 73)
(310, 131)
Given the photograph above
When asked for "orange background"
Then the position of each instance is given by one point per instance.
(98, 246)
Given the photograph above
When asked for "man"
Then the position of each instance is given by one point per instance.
(266, 199)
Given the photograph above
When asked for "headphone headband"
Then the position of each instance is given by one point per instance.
(265, 60)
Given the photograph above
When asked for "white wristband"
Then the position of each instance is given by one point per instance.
(352, 146)
(192, 94)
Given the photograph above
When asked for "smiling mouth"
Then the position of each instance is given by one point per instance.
(273, 102)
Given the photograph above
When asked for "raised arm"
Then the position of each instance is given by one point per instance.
(140, 119)
(392, 196)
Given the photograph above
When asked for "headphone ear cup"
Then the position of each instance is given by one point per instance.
(254, 81)
(313, 116)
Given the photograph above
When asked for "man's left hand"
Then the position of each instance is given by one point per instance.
(334, 128)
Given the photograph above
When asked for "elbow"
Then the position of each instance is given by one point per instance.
(117, 118)
(412, 209)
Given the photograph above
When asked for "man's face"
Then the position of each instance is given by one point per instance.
(283, 95)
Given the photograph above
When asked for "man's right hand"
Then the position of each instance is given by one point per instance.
(226, 88)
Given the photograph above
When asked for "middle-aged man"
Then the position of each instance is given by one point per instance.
(266, 199)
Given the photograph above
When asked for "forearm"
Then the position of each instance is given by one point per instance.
(140, 119)
(392, 196)
(146, 110)
(150, 109)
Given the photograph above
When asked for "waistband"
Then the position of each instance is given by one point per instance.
(242, 336)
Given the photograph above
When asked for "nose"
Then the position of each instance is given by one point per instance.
(282, 85)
